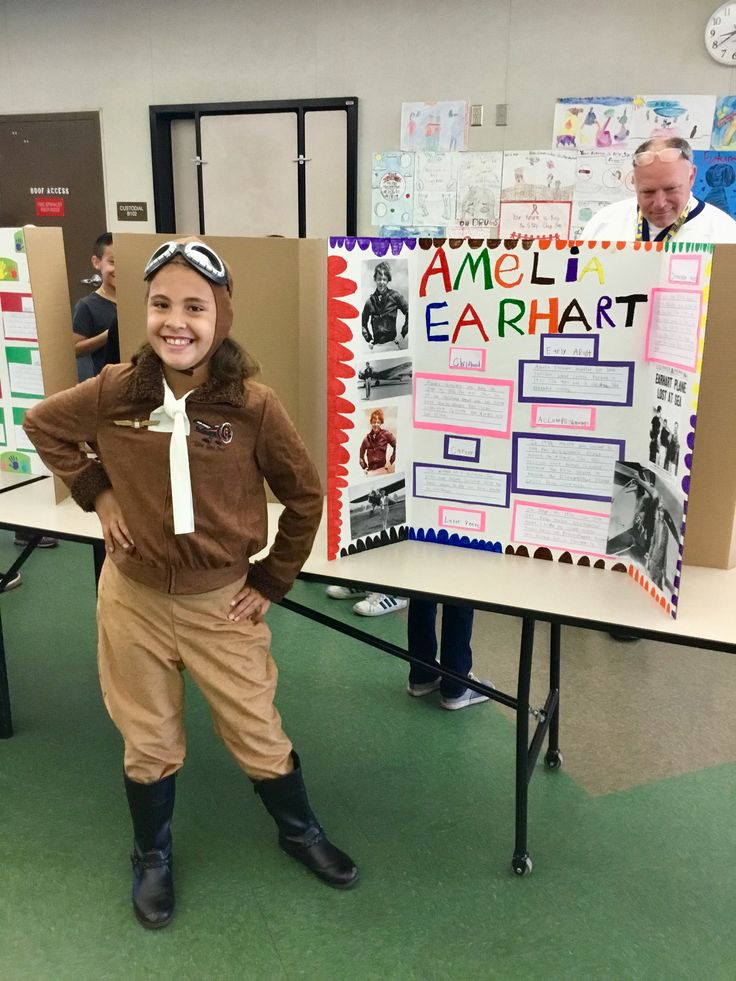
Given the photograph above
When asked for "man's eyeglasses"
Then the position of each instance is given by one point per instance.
(199, 256)
(667, 155)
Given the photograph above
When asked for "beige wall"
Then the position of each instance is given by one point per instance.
(121, 56)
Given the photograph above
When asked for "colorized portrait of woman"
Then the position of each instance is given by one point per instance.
(374, 448)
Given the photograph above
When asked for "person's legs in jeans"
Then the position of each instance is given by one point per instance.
(422, 640)
(455, 651)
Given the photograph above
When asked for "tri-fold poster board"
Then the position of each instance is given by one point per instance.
(36, 346)
(537, 398)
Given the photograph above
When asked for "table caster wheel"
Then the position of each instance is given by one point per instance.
(521, 865)
(553, 759)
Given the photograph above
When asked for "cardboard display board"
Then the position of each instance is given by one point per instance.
(543, 401)
(711, 537)
(279, 302)
(36, 346)
(280, 316)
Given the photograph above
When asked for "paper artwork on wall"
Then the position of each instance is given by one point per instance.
(392, 188)
(412, 231)
(536, 193)
(435, 188)
(478, 201)
(686, 116)
(600, 179)
(723, 134)
(623, 122)
(434, 126)
(544, 404)
(596, 123)
(715, 179)
(538, 175)
(517, 194)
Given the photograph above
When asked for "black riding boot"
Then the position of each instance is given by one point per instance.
(151, 808)
(300, 833)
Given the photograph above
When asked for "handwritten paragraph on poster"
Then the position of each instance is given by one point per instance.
(472, 405)
(565, 466)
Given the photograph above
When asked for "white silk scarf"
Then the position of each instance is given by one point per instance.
(172, 418)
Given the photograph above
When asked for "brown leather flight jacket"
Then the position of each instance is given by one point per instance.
(239, 436)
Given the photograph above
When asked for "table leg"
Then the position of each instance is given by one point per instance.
(553, 756)
(6, 719)
(521, 862)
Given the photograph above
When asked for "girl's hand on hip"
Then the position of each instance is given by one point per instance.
(114, 529)
(248, 602)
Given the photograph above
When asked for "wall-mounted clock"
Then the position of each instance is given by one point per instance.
(720, 34)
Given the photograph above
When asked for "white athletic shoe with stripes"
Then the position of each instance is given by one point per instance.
(345, 592)
(376, 604)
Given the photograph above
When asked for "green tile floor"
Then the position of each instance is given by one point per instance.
(633, 884)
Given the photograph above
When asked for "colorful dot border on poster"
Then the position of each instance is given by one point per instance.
(443, 537)
(399, 533)
(383, 246)
(650, 588)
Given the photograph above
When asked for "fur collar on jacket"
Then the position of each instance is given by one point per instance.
(146, 382)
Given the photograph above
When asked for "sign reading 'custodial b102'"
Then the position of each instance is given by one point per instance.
(132, 211)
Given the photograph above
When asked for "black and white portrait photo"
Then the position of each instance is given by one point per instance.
(385, 315)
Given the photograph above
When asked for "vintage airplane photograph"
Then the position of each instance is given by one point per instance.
(392, 375)
(377, 506)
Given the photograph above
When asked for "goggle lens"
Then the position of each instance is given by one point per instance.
(199, 256)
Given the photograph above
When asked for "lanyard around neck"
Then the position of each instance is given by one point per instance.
(642, 226)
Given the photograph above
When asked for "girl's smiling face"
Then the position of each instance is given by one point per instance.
(381, 281)
(181, 317)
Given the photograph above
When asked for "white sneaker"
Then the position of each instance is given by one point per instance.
(376, 604)
(345, 592)
(468, 697)
(425, 688)
(12, 583)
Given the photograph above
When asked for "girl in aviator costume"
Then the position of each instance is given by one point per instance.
(185, 439)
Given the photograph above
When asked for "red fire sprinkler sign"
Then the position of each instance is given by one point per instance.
(49, 207)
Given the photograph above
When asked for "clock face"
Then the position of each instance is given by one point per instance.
(720, 34)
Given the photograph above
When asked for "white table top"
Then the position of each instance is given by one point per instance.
(33, 507)
(9, 479)
(505, 583)
(547, 590)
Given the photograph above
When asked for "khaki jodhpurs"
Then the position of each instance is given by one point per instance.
(145, 641)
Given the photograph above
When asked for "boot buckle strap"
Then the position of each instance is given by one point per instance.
(312, 837)
(151, 860)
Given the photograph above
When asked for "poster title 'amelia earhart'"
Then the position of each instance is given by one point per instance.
(547, 314)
